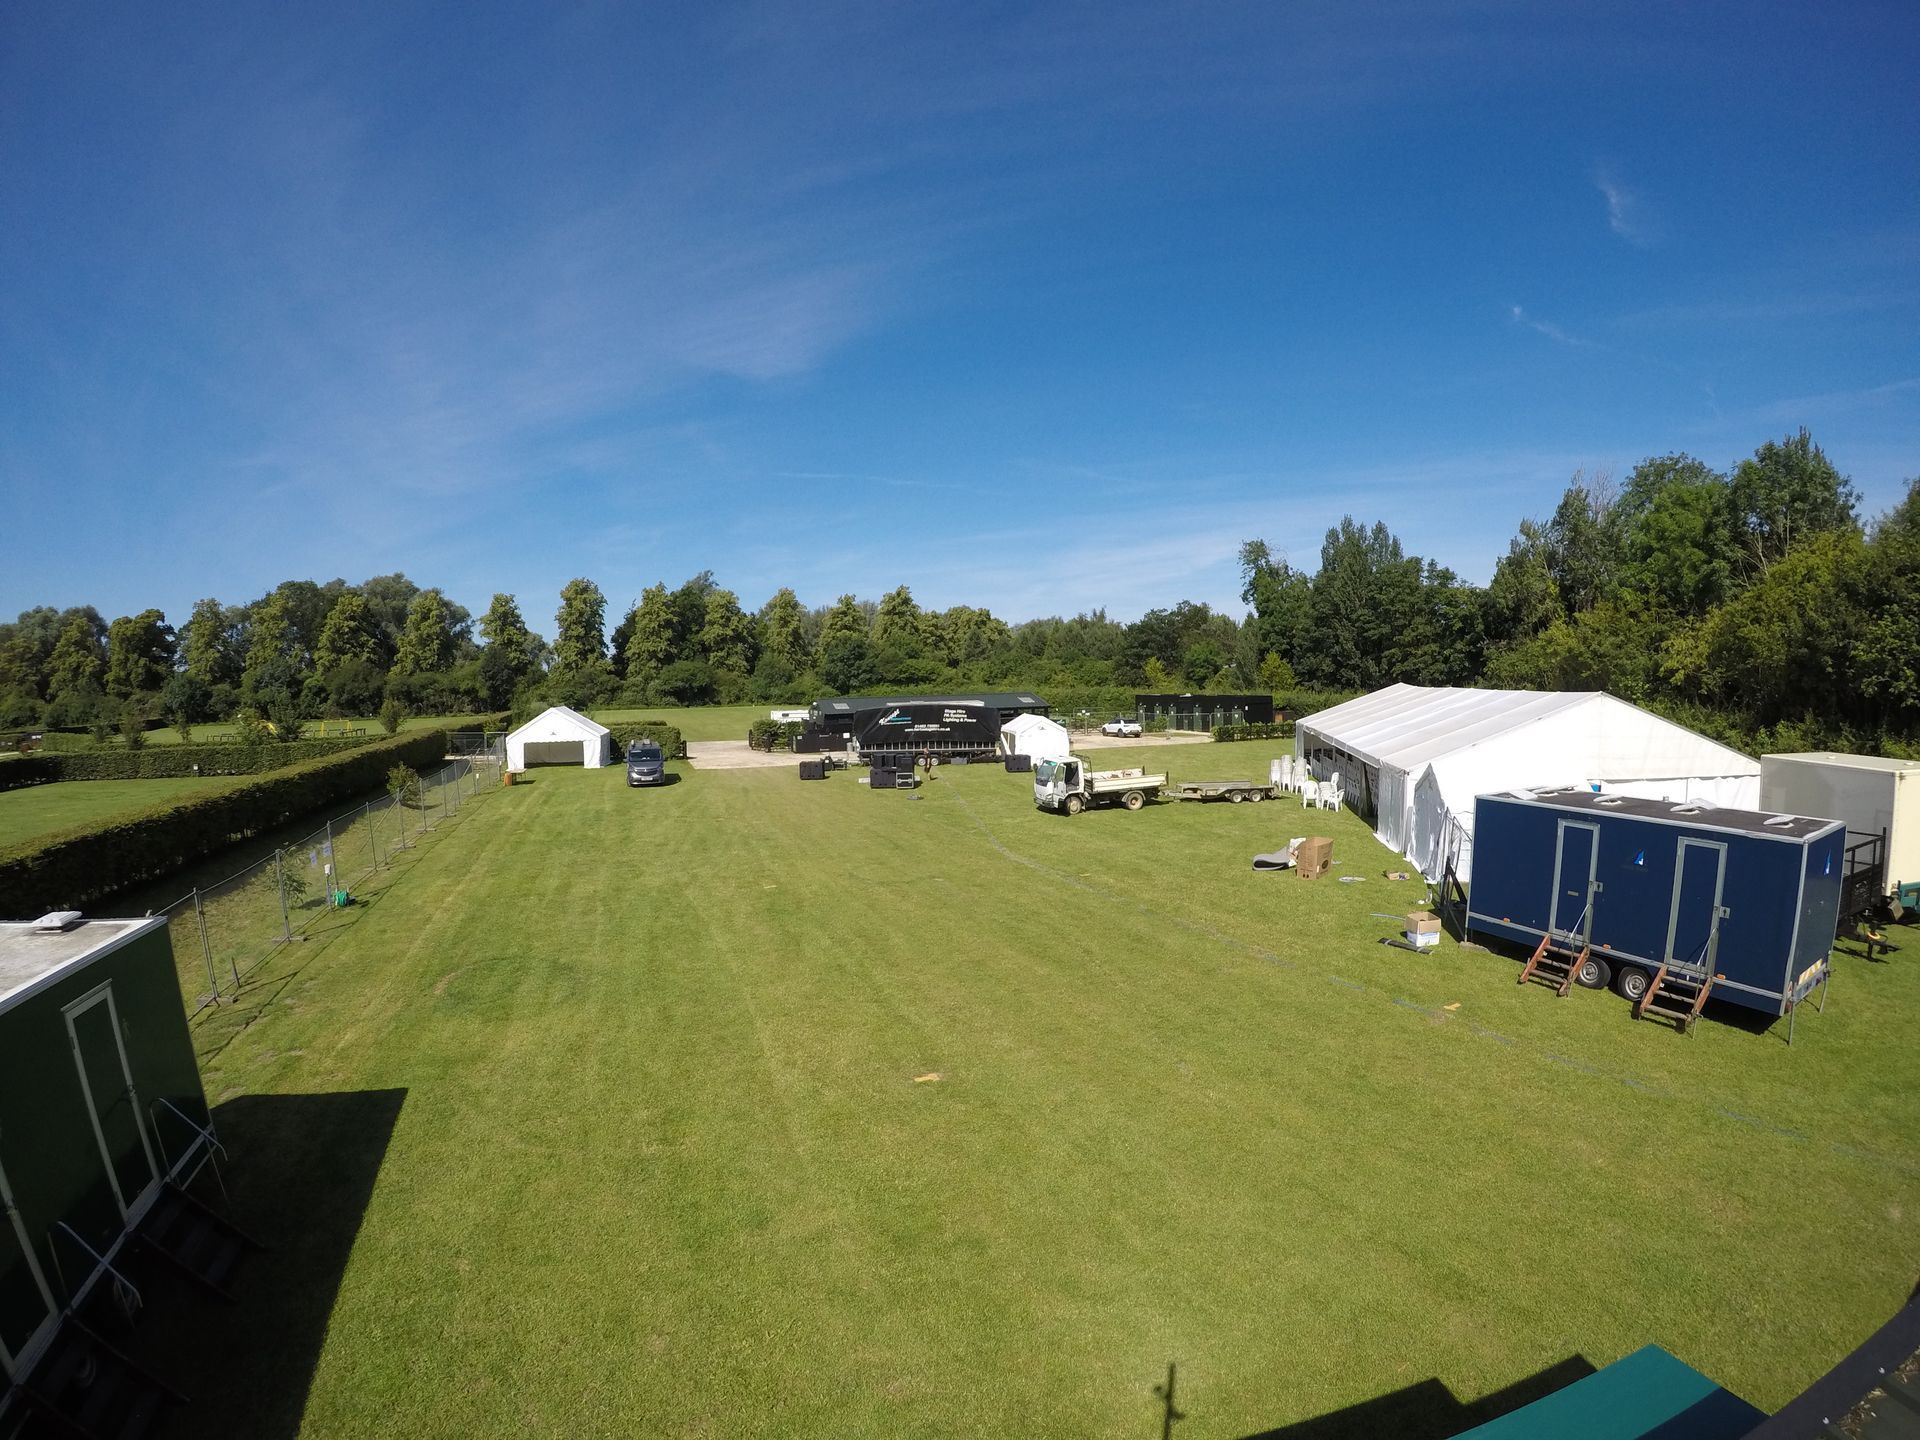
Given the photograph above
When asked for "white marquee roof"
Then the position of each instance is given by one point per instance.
(557, 722)
(1404, 727)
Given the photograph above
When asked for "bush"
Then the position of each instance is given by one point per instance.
(73, 868)
(763, 734)
(1255, 730)
(392, 713)
(24, 770)
(668, 737)
(403, 784)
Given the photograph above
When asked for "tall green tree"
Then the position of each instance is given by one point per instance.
(213, 643)
(506, 631)
(78, 663)
(1281, 598)
(1787, 493)
(426, 645)
(1523, 599)
(845, 620)
(1583, 543)
(727, 638)
(140, 654)
(347, 634)
(580, 644)
(1677, 534)
(783, 630)
(650, 645)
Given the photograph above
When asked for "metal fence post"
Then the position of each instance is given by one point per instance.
(327, 871)
(280, 888)
(373, 841)
(206, 949)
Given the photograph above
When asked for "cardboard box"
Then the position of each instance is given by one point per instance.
(1428, 941)
(1312, 856)
(1422, 922)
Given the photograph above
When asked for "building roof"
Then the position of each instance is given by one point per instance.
(857, 704)
(31, 959)
(1406, 726)
(560, 717)
(1706, 817)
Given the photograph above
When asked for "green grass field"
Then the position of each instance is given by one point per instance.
(42, 809)
(629, 1086)
(700, 722)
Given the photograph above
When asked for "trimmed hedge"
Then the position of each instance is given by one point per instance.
(71, 868)
(672, 745)
(24, 770)
(171, 762)
(1257, 730)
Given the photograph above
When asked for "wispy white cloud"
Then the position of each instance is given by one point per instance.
(1547, 328)
(1627, 213)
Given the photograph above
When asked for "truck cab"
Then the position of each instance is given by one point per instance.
(646, 764)
(1069, 786)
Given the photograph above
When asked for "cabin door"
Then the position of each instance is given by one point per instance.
(100, 1054)
(1693, 924)
(1576, 864)
(26, 1305)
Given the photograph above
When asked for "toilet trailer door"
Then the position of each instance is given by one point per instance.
(93, 1027)
(26, 1305)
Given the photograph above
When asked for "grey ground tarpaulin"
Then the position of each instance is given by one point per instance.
(1278, 859)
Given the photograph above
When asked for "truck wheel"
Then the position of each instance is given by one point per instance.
(1631, 983)
(1133, 799)
(1237, 796)
(1075, 804)
(1594, 973)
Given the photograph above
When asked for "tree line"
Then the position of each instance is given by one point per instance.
(1753, 603)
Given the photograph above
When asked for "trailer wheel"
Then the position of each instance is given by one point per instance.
(1631, 983)
(1256, 796)
(1594, 973)
(1237, 796)
(1075, 804)
(1133, 799)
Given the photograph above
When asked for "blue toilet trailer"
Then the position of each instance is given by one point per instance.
(1665, 901)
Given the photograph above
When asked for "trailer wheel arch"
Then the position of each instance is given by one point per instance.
(1632, 983)
(1594, 973)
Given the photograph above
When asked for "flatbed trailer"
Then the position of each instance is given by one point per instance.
(1232, 790)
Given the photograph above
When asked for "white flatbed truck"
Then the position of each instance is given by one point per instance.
(1071, 785)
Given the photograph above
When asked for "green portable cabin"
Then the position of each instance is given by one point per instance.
(100, 1102)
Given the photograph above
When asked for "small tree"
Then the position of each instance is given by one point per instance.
(392, 713)
(101, 729)
(183, 727)
(133, 726)
(250, 728)
(404, 786)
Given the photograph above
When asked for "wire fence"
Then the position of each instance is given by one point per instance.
(223, 932)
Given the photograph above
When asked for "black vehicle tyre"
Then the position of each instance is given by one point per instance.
(1075, 804)
(1631, 983)
(1237, 796)
(1256, 796)
(1133, 799)
(1594, 973)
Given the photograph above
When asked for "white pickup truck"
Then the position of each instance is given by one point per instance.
(1069, 786)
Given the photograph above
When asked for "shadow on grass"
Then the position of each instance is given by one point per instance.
(301, 1174)
(1429, 1410)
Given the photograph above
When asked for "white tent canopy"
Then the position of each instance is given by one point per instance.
(1035, 735)
(559, 736)
(1415, 756)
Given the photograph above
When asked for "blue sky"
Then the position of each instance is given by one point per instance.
(1037, 307)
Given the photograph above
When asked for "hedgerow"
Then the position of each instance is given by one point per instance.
(666, 736)
(72, 868)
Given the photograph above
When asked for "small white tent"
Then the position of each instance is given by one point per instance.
(559, 736)
(1035, 735)
(1413, 757)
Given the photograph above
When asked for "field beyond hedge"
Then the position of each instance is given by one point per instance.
(43, 809)
(754, 1107)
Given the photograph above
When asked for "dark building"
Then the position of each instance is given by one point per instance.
(1203, 712)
